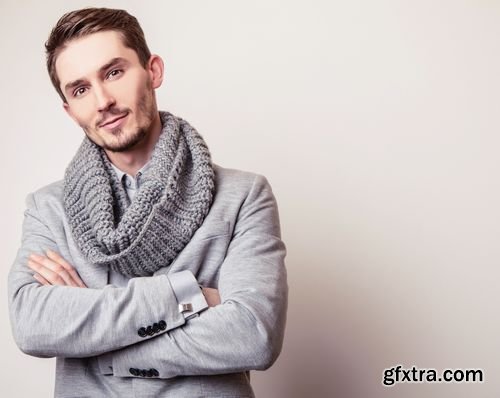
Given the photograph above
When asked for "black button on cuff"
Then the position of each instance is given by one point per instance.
(156, 328)
(162, 324)
(134, 371)
(149, 331)
(154, 372)
(143, 372)
(142, 332)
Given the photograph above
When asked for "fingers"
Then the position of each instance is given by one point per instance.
(54, 270)
(59, 260)
(212, 296)
(41, 279)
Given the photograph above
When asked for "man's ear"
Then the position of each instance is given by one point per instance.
(155, 69)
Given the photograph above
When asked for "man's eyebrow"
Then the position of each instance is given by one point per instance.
(107, 65)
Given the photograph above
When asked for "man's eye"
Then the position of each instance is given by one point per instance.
(79, 91)
(115, 72)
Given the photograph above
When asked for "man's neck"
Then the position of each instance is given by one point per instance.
(131, 161)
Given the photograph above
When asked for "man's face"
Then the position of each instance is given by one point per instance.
(108, 92)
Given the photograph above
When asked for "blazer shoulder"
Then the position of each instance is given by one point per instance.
(48, 195)
(236, 179)
(238, 188)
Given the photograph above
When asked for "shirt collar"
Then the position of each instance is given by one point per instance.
(120, 173)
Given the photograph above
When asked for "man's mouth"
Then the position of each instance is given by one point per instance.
(114, 122)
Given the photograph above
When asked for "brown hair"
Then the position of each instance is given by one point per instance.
(79, 23)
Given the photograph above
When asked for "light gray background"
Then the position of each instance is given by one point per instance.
(376, 123)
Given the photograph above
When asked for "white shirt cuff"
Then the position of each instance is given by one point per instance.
(188, 293)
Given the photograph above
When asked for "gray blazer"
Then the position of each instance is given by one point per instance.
(94, 332)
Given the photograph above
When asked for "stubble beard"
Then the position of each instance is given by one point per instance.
(124, 143)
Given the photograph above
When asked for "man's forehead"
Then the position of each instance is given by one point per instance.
(86, 55)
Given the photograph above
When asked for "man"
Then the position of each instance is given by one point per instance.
(148, 271)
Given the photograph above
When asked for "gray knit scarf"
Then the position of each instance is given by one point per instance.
(138, 238)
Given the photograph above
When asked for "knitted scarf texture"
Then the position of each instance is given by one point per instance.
(139, 238)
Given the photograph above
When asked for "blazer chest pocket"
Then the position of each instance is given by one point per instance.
(204, 254)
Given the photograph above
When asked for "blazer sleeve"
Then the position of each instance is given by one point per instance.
(246, 331)
(65, 321)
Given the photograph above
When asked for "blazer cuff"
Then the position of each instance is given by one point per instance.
(105, 362)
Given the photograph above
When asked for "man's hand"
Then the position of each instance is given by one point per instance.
(211, 295)
(52, 269)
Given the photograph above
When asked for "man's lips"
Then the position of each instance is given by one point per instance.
(113, 122)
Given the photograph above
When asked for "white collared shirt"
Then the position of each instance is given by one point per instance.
(131, 184)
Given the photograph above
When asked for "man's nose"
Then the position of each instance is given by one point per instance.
(104, 98)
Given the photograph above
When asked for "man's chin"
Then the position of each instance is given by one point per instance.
(116, 132)
(127, 145)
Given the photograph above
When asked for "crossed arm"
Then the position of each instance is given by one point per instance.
(244, 332)
(53, 270)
